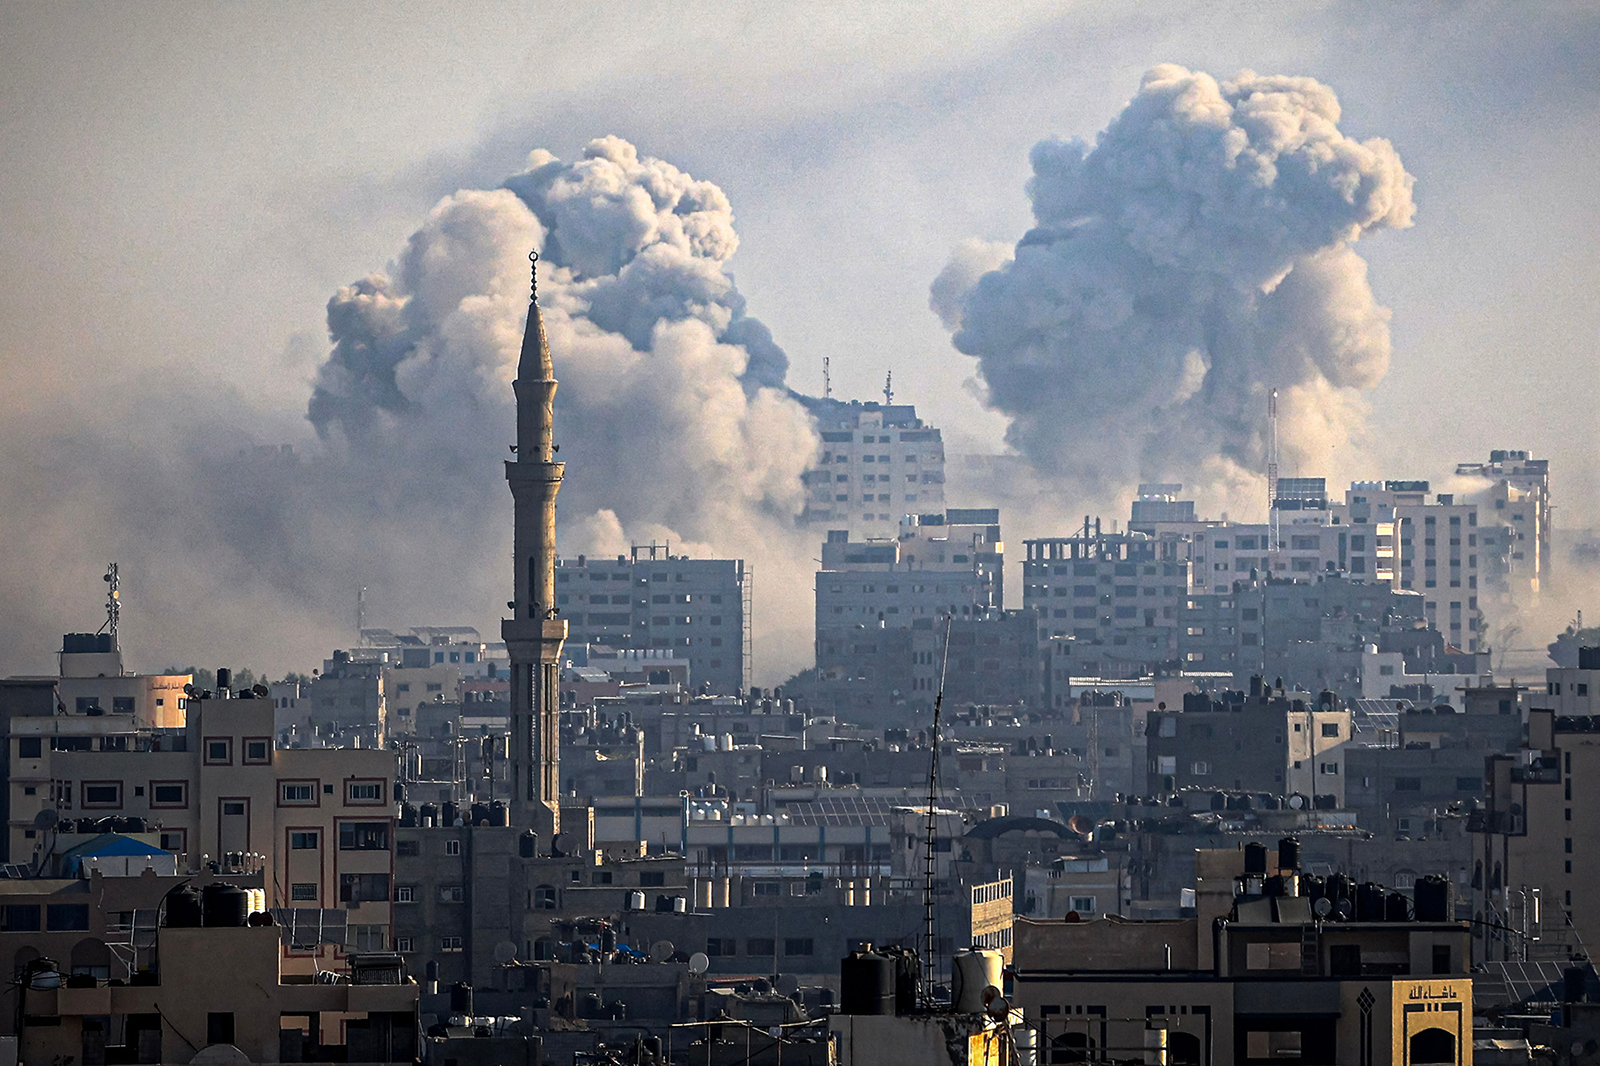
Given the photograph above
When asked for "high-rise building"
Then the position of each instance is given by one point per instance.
(1514, 512)
(652, 599)
(535, 631)
(879, 462)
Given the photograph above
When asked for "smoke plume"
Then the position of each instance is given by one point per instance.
(1199, 254)
(671, 415)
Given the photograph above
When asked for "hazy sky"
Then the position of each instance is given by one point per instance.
(182, 187)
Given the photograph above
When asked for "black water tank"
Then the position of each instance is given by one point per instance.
(224, 678)
(1338, 887)
(866, 983)
(528, 844)
(1289, 854)
(448, 813)
(479, 814)
(1369, 903)
(1589, 658)
(1255, 858)
(907, 979)
(1396, 908)
(663, 904)
(226, 906)
(608, 939)
(183, 908)
(429, 812)
(461, 998)
(1312, 887)
(499, 813)
(1573, 979)
(1434, 902)
(408, 816)
(1277, 885)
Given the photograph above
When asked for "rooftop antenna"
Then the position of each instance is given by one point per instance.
(929, 929)
(1272, 472)
(113, 602)
(888, 389)
(361, 611)
(827, 383)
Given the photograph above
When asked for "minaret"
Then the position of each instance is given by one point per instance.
(534, 634)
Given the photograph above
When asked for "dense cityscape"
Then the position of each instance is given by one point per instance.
(1282, 745)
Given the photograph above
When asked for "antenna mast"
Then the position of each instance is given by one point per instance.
(113, 602)
(827, 384)
(888, 389)
(929, 929)
(361, 611)
(1272, 472)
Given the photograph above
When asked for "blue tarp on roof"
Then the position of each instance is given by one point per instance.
(108, 845)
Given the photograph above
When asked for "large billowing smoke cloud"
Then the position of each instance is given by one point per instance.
(671, 416)
(671, 413)
(1199, 254)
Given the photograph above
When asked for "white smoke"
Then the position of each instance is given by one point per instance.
(671, 414)
(1197, 256)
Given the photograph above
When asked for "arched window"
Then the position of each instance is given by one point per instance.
(1183, 1049)
(544, 898)
(1069, 1047)
(1433, 1046)
(92, 958)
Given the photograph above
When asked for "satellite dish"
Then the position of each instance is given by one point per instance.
(1345, 910)
(261, 691)
(699, 963)
(1322, 907)
(1296, 802)
(188, 690)
(996, 1006)
(505, 952)
(661, 951)
(788, 984)
(46, 819)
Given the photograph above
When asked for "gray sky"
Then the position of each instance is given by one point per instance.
(182, 187)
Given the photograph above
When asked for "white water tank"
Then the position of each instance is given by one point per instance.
(636, 901)
(971, 972)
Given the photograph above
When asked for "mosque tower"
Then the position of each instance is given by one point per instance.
(535, 633)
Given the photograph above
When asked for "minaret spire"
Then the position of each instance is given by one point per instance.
(535, 633)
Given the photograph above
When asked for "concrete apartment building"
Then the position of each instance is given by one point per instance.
(698, 609)
(1515, 500)
(1264, 741)
(218, 790)
(1122, 593)
(1257, 976)
(878, 463)
(1536, 862)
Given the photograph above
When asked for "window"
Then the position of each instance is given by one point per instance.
(219, 1027)
(298, 792)
(652, 879)
(1200, 768)
(757, 945)
(20, 918)
(219, 751)
(544, 898)
(1083, 904)
(722, 947)
(304, 840)
(403, 944)
(169, 794)
(1330, 729)
(797, 946)
(66, 917)
(367, 937)
(407, 848)
(257, 751)
(363, 836)
(236, 808)
(449, 943)
(452, 894)
(30, 748)
(405, 893)
(102, 794)
(303, 890)
(452, 847)
(363, 888)
(1330, 768)
(369, 792)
